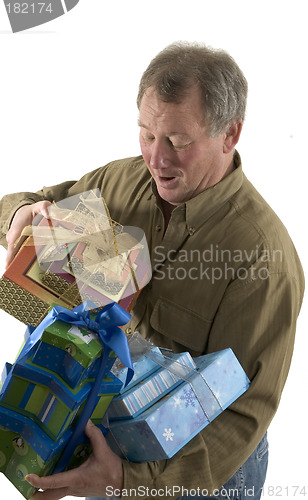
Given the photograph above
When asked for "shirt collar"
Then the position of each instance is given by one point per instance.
(204, 205)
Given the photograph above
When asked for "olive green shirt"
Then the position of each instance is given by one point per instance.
(225, 274)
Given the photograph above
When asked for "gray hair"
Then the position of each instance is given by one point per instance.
(182, 65)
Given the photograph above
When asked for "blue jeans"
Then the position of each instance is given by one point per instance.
(246, 484)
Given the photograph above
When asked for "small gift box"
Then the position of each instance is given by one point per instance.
(72, 351)
(164, 428)
(143, 395)
(78, 254)
(144, 358)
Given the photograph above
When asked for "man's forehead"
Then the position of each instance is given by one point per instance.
(188, 110)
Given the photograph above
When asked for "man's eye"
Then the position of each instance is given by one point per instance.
(148, 138)
(180, 147)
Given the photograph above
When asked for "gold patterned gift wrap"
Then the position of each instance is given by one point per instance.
(79, 253)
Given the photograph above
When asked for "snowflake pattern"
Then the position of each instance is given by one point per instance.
(168, 434)
(177, 401)
(189, 398)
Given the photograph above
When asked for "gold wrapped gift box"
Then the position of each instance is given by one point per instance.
(78, 254)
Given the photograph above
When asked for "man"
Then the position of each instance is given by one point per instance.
(225, 273)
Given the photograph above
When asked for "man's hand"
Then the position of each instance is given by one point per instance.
(22, 218)
(103, 468)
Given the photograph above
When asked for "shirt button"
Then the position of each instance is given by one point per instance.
(128, 330)
(158, 227)
(191, 230)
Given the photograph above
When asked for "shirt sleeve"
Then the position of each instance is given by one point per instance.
(257, 319)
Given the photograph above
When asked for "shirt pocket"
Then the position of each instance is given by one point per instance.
(181, 325)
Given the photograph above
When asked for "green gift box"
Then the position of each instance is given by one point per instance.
(73, 352)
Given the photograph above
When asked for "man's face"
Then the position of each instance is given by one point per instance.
(181, 157)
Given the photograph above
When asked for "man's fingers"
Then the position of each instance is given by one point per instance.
(22, 218)
(11, 252)
(68, 478)
(14, 233)
(97, 439)
(42, 208)
(55, 481)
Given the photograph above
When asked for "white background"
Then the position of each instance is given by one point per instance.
(67, 101)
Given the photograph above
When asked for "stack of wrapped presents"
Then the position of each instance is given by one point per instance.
(73, 283)
(42, 399)
(173, 397)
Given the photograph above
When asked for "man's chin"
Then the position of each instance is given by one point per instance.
(170, 194)
(171, 199)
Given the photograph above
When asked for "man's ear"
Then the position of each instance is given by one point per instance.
(232, 136)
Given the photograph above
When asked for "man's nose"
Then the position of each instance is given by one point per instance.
(160, 156)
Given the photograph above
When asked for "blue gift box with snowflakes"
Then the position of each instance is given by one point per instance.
(163, 429)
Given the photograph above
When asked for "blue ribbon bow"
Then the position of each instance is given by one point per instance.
(106, 324)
